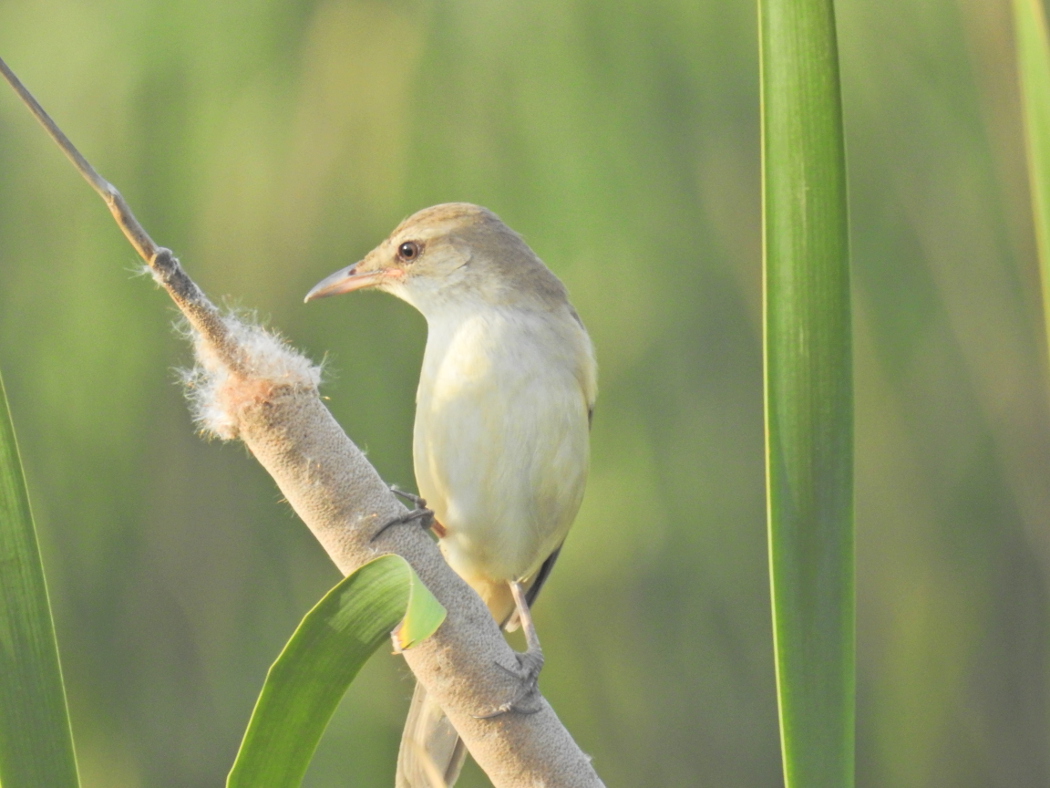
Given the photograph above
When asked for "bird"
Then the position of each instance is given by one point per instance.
(503, 412)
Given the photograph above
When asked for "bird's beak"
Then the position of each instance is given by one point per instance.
(345, 280)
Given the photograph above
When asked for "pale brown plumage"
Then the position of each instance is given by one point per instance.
(502, 414)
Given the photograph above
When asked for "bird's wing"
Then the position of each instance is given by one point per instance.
(541, 576)
(535, 586)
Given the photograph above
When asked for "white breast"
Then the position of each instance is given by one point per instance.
(501, 435)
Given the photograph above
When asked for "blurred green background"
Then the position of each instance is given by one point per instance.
(272, 142)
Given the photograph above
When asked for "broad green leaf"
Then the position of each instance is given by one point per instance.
(309, 678)
(809, 390)
(423, 616)
(36, 744)
(1033, 68)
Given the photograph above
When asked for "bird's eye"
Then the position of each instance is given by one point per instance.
(408, 251)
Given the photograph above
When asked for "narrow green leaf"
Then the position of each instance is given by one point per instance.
(310, 677)
(1033, 68)
(809, 390)
(36, 744)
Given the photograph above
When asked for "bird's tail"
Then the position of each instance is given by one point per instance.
(432, 753)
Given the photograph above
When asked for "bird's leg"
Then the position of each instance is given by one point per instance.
(530, 662)
(532, 640)
(420, 512)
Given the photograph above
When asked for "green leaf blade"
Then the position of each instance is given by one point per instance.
(809, 391)
(322, 658)
(423, 615)
(36, 743)
(1033, 69)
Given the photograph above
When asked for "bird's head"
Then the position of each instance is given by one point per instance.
(453, 252)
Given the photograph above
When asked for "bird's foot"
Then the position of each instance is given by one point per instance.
(421, 513)
(530, 663)
(526, 701)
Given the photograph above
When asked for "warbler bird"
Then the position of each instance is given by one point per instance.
(503, 411)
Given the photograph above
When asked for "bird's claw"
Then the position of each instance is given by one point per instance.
(412, 498)
(420, 512)
(530, 663)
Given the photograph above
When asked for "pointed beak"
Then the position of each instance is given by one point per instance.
(344, 281)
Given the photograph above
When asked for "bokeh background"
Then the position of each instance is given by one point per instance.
(270, 142)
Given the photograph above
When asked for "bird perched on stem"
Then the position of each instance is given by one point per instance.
(503, 412)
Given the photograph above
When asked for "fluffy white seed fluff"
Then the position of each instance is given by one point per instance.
(217, 393)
